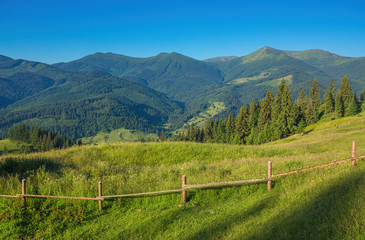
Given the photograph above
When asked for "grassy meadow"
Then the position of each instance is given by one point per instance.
(325, 203)
(119, 135)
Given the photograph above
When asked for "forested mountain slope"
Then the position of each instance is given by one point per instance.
(78, 104)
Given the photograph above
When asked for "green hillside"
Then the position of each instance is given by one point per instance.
(20, 79)
(176, 75)
(334, 65)
(91, 102)
(49, 96)
(232, 80)
(324, 203)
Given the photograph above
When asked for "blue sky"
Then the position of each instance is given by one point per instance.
(55, 31)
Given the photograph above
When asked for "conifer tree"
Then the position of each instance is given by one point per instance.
(282, 118)
(352, 108)
(215, 130)
(230, 127)
(221, 132)
(301, 104)
(339, 106)
(252, 118)
(265, 114)
(344, 97)
(208, 131)
(315, 96)
(310, 115)
(265, 134)
(362, 96)
(329, 98)
(242, 126)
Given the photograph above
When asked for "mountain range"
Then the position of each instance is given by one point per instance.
(105, 91)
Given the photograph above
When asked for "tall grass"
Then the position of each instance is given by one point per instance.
(325, 203)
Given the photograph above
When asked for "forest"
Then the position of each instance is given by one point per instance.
(273, 118)
(38, 139)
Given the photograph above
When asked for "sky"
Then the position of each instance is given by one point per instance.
(59, 31)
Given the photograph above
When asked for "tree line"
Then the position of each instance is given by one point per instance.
(83, 118)
(277, 117)
(38, 139)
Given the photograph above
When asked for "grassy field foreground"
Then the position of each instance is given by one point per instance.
(325, 203)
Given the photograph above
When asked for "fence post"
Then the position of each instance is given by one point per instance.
(24, 191)
(269, 173)
(100, 192)
(183, 189)
(353, 153)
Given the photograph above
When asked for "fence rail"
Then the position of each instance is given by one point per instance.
(142, 194)
(318, 166)
(219, 184)
(60, 197)
(185, 186)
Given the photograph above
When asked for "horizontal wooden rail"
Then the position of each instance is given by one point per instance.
(141, 194)
(9, 196)
(318, 166)
(61, 197)
(185, 186)
(218, 184)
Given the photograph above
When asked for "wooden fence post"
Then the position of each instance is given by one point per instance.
(24, 191)
(183, 187)
(353, 153)
(100, 193)
(269, 174)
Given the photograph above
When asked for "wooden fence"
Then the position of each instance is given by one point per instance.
(100, 198)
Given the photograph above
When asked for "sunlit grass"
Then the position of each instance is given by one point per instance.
(325, 203)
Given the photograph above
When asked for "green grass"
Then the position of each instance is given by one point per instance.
(238, 81)
(276, 82)
(325, 203)
(9, 146)
(118, 136)
(200, 119)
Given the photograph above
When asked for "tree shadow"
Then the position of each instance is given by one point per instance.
(24, 167)
(220, 227)
(328, 216)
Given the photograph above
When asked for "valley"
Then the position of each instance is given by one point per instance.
(103, 92)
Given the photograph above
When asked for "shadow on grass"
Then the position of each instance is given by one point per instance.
(220, 227)
(22, 167)
(328, 216)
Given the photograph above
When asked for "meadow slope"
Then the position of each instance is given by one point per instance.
(325, 203)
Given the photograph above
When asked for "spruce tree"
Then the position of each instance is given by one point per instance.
(230, 128)
(252, 118)
(265, 114)
(208, 131)
(221, 132)
(242, 126)
(339, 106)
(310, 115)
(345, 94)
(283, 123)
(315, 95)
(301, 106)
(329, 98)
(215, 130)
(252, 138)
(352, 108)
(265, 134)
(362, 96)
(358, 103)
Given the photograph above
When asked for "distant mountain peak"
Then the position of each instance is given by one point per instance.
(220, 59)
(5, 58)
(316, 57)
